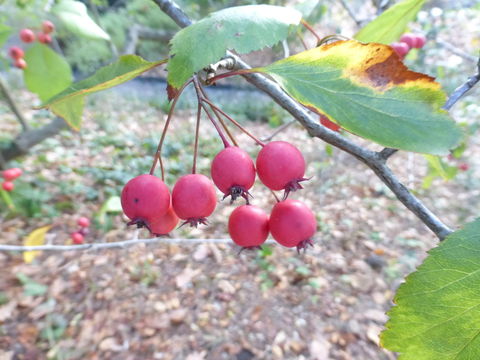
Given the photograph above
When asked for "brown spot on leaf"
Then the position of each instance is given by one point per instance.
(172, 92)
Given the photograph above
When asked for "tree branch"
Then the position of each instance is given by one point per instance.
(463, 89)
(12, 105)
(375, 161)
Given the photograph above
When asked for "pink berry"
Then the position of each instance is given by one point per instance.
(325, 121)
(145, 197)
(281, 166)
(11, 174)
(44, 38)
(48, 27)
(463, 166)
(400, 48)
(77, 238)
(165, 223)
(8, 186)
(27, 35)
(248, 226)
(409, 39)
(420, 41)
(16, 53)
(20, 63)
(292, 223)
(233, 172)
(194, 198)
(83, 222)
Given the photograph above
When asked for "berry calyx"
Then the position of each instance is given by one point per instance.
(400, 48)
(143, 198)
(16, 53)
(11, 174)
(27, 35)
(77, 238)
(8, 186)
(44, 38)
(48, 27)
(165, 223)
(83, 222)
(292, 224)
(194, 199)
(325, 121)
(20, 63)
(233, 172)
(281, 166)
(248, 226)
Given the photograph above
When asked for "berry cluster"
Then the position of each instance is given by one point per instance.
(79, 235)
(9, 176)
(147, 202)
(407, 42)
(28, 36)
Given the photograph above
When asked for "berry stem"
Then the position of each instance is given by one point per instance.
(275, 196)
(300, 36)
(213, 106)
(230, 73)
(158, 156)
(311, 29)
(197, 130)
(200, 100)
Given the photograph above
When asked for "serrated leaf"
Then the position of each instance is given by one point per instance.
(47, 73)
(368, 91)
(74, 16)
(5, 32)
(437, 309)
(391, 24)
(35, 238)
(243, 29)
(69, 103)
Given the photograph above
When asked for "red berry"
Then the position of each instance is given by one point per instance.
(165, 223)
(400, 48)
(83, 222)
(248, 226)
(463, 166)
(27, 35)
(44, 38)
(11, 174)
(420, 41)
(194, 198)
(325, 121)
(48, 27)
(409, 39)
(77, 238)
(145, 197)
(20, 63)
(280, 165)
(8, 185)
(16, 53)
(233, 172)
(292, 223)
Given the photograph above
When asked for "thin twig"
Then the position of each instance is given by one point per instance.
(12, 105)
(350, 13)
(197, 131)
(278, 130)
(463, 89)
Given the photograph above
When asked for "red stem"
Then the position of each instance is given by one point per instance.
(312, 30)
(228, 74)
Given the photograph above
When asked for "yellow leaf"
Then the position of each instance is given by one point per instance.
(35, 238)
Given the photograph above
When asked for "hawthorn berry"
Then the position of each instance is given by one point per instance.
(463, 166)
(194, 198)
(83, 222)
(164, 224)
(16, 53)
(11, 174)
(48, 27)
(44, 38)
(77, 238)
(280, 165)
(409, 39)
(325, 121)
(143, 198)
(420, 41)
(8, 186)
(27, 35)
(292, 223)
(20, 63)
(233, 172)
(400, 48)
(248, 226)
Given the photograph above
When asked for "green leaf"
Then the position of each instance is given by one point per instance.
(368, 91)
(30, 286)
(47, 73)
(437, 309)
(74, 16)
(440, 168)
(112, 205)
(243, 29)
(5, 32)
(69, 103)
(390, 25)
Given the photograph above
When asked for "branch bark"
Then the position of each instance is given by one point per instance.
(137, 32)
(374, 160)
(12, 105)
